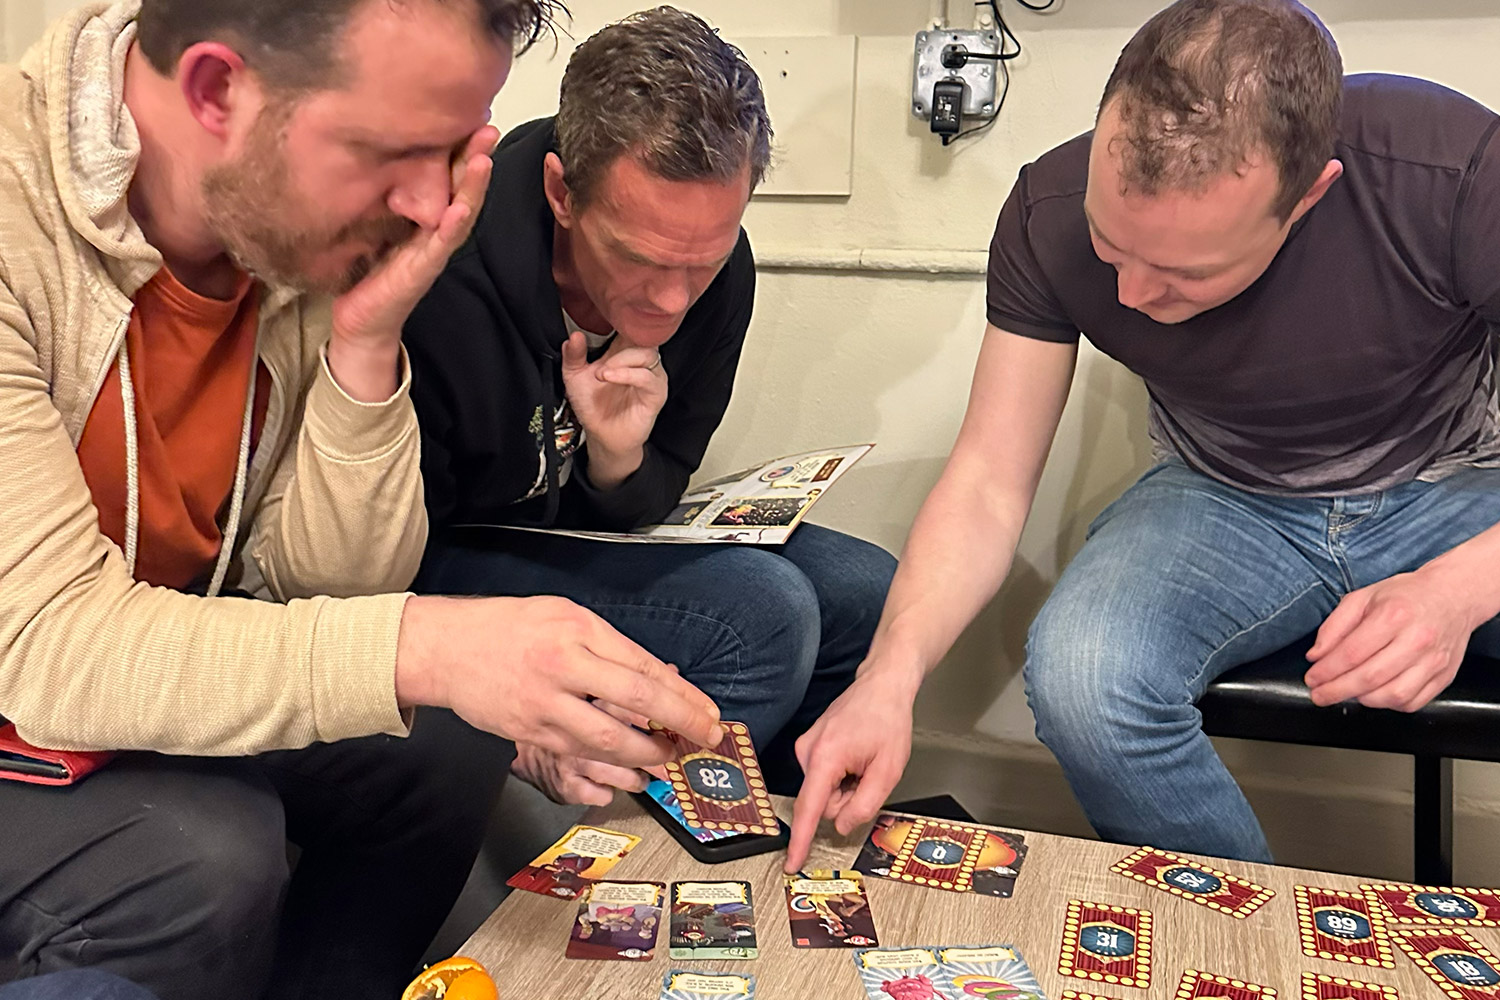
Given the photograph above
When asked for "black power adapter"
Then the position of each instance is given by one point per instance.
(948, 108)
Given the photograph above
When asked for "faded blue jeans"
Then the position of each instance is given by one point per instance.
(772, 633)
(1181, 579)
(81, 984)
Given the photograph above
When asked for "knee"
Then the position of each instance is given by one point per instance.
(773, 610)
(1086, 681)
(228, 873)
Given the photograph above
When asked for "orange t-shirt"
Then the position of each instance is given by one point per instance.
(190, 362)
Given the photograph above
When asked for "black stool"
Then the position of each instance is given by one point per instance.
(1266, 700)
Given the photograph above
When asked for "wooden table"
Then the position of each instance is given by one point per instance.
(522, 942)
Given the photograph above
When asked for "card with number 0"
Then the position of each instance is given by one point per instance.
(721, 788)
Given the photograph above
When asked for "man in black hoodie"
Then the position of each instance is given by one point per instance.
(572, 364)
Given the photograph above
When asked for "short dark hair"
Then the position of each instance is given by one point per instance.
(1206, 84)
(294, 43)
(663, 86)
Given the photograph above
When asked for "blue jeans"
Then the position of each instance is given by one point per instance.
(772, 633)
(83, 984)
(1181, 579)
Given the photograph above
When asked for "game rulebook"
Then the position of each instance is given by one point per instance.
(757, 506)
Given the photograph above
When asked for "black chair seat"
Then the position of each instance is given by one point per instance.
(1267, 700)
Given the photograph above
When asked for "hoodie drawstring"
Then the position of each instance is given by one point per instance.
(549, 443)
(133, 474)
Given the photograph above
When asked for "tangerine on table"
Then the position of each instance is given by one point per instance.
(454, 979)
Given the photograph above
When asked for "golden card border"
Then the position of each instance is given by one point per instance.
(1307, 932)
(1370, 888)
(1255, 902)
(1192, 977)
(754, 782)
(964, 879)
(1310, 981)
(1141, 977)
(1400, 937)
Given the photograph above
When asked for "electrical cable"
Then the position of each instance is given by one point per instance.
(1009, 38)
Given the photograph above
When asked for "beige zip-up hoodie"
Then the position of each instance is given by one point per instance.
(332, 498)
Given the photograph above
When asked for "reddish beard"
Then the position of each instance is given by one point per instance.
(256, 212)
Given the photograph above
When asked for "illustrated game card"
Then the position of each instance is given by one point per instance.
(712, 920)
(940, 854)
(1108, 944)
(680, 985)
(618, 920)
(1461, 966)
(1193, 880)
(569, 866)
(899, 974)
(994, 972)
(722, 788)
(1317, 986)
(1197, 984)
(829, 909)
(1437, 905)
(1342, 927)
(994, 868)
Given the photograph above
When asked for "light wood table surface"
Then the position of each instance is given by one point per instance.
(522, 943)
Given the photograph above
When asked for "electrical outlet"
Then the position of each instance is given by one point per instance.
(978, 75)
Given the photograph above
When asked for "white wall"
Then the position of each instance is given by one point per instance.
(844, 357)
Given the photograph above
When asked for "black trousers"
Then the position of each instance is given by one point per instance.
(173, 872)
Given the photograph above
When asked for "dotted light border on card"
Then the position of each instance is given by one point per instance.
(918, 833)
(1371, 888)
(1078, 995)
(754, 780)
(1255, 902)
(1310, 981)
(1401, 938)
(1308, 935)
(1193, 977)
(1141, 977)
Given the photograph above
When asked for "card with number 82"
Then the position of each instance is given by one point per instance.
(721, 788)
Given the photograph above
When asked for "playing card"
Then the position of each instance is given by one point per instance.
(722, 788)
(829, 909)
(995, 867)
(712, 920)
(1316, 986)
(1076, 995)
(1193, 880)
(1109, 944)
(618, 920)
(901, 974)
(1438, 905)
(995, 972)
(1460, 965)
(940, 854)
(1196, 984)
(680, 985)
(1343, 927)
(569, 866)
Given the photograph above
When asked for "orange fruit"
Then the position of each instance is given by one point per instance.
(454, 979)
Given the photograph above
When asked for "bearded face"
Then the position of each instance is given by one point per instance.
(280, 234)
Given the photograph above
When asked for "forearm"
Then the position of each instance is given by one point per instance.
(345, 513)
(608, 469)
(958, 553)
(1469, 569)
(369, 371)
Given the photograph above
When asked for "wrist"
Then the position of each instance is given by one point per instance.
(1462, 575)
(609, 468)
(366, 368)
(419, 671)
(895, 668)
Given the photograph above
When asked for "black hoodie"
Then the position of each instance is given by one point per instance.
(485, 348)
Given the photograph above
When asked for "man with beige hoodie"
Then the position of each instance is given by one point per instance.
(214, 218)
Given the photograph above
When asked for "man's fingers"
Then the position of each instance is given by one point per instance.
(636, 378)
(870, 794)
(1344, 619)
(575, 353)
(599, 736)
(636, 681)
(1370, 674)
(817, 787)
(630, 718)
(624, 778)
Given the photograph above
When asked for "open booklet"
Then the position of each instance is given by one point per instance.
(757, 506)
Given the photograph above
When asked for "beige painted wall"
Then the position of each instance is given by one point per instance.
(838, 357)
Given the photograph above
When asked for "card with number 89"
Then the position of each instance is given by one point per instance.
(721, 788)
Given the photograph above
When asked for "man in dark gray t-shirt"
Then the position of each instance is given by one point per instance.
(1305, 270)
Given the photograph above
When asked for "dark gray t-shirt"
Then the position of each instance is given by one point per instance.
(1363, 358)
